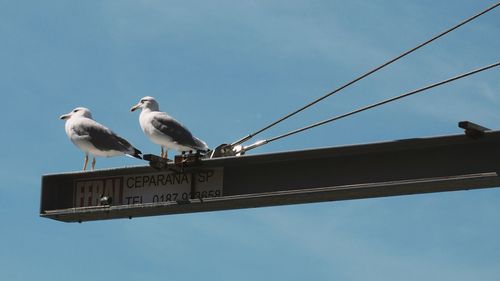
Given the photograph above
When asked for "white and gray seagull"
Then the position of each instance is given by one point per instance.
(164, 130)
(94, 138)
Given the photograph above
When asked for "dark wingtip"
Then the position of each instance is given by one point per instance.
(137, 153)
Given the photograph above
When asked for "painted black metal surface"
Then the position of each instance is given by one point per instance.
(391, 168)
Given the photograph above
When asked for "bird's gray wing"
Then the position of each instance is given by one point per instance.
(102, 138)
(172, 128)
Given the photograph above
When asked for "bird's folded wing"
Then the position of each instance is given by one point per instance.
(170, 127)
(102, 138)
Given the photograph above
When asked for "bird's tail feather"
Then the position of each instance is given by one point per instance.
(137, 153)
(201, 145)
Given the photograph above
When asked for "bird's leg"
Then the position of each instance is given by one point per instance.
(93, 164)
(166, 153)
(85, 162)
(161, 154)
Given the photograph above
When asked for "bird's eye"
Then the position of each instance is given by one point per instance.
(142, 101)
(76, 110)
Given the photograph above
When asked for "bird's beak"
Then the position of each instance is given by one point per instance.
(133, 108)
(65, 116)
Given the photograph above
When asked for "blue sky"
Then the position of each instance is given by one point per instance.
(226, 68)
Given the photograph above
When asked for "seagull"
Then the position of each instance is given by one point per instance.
(164, 130)
(94, 138)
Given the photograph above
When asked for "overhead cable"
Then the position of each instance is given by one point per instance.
(250, 136)
(262, 142)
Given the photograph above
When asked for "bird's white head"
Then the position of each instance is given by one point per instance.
(79, 111)
(147, 103)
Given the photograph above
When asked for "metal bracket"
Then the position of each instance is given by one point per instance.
(473, 130)
(156, 162)
(179, 164)
(225, 150)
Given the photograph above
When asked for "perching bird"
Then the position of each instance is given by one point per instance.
(94, 138)
(164, 130)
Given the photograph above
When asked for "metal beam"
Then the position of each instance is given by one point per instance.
(402, 167)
